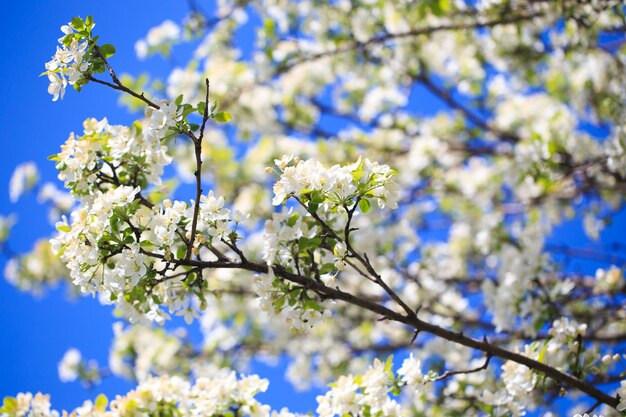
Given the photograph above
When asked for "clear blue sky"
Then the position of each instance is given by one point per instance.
(36, 332)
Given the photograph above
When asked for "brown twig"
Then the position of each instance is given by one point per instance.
(448, 374)
(511, 18)
(117, 84)
(198, 173)
(415, 323)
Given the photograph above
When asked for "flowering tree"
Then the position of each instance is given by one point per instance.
(332, 223)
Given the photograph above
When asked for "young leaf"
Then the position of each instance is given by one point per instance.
(223, 117)
(201, 108)
(9, 405)
(63, 228)
(77, 24)
(101, 403)
(364, 205)
(107, 50)
(326, 268)
(187, 110)
(89, 24)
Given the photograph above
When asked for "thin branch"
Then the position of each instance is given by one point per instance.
(117, 84)
(593, 407)
(198, 173)
(411, 320)
(448, 374)
(585, 254)
(511, 18)
(449, 99)
(353, 253)
(234, 248)
(124, 89)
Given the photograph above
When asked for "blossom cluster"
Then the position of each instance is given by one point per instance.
(374, 390)
(609, 280)
(108, 155)
(68, 64)
(621, 391)
(170, 395)
(222, 391)
(73, 367)
(354, 395)
(69, 365)
(333, 193)
(116, 247)
(338, 185)
(297, 307)
(6, 223)
(36, 270)
(78, 243)
(159, 39)
(24, 178)
(140, 351)
(297, 240)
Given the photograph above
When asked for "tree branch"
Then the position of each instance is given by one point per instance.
(198, 173)
(415, 323)
(478, 24)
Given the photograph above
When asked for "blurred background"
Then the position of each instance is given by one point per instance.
(35, 332)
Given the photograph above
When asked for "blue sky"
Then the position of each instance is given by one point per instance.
(36, 332)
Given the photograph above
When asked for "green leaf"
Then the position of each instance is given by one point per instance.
(67, 39)
(542, 353)
(223, 117)
(291, 221)
(326, 268)
(179, 100)
(187, 110)
(439, 7)
(98, 67)
(101, 402)
(279, 303)
(311, 305)
(269, 27)
(357, 174)
(201, 108)
(389, 364)
(63, 228)
(63, 248)
(89, 24)
(317, 197)
(9, 405)
(107, 50)
(364, 205)
(77, 24)
(306, 243)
